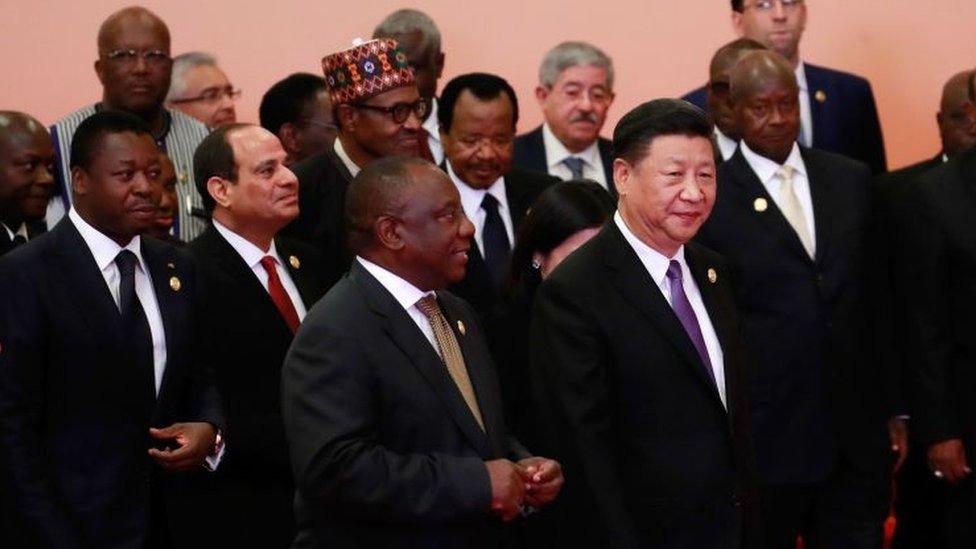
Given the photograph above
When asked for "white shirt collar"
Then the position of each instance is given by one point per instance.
(766, 169)
(251, 254)
(341, 153)
(726, 145)
(406, 294)
(654, 261)
(471, 198)
(103, 248)
(22, 230)
(431, 124)
(556, 152)
(801, 77)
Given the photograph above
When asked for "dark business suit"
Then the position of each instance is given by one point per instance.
(651, 456)
(845, 118)
(384, 449)
(322, 183)
(7, 244)
(530, 153)
(522, 187)
(248, 501)
(75, 412)
(940, 274)
(819, 398)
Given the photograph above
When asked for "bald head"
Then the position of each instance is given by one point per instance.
(957, 129)
(765, 104)
(26, 161)
(129, 18)
(14, 125)
(758, 69)
(730, 54)
(134, 63)
(719, 105)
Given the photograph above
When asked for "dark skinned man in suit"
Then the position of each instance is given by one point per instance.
(26, 180)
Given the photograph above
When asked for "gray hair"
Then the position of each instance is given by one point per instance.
(407, 21)
(183, 63)
(573, 54)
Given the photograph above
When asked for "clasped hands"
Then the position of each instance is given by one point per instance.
(533, 481)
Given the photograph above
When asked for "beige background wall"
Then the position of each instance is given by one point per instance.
(907, 48)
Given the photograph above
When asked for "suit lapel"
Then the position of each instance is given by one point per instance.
(168, 286)
(537, 146)
(408, 338)
(518, 200)
(823, 199)
(717, 314)
(299, 275)
(815, 87)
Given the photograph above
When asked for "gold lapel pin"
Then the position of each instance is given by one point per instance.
(294, 262)
(461, 328)
(760, 204)
(175, 284)
(171, 266)
(820, 96)
(712, 275)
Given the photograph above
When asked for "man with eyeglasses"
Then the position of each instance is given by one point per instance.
(200, 89)
(575, 92)
(134, 67)
(837, 109)
(379, 111)
(297, 109)
(478, 114)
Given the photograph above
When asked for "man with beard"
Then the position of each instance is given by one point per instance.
(26, 161)
(134, 67)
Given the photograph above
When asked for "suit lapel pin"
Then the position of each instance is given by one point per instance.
(712, 275)
(820, 96)
(461, 328)
(294, 262)
(175, 283)
(760, 204)
(171, 266)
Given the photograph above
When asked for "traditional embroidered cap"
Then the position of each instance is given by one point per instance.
(366, 69)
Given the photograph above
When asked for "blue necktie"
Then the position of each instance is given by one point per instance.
(575, 166)
(498, 250)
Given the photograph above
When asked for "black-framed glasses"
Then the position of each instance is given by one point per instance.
(212, 95)
(127, 56)
(399, 111)
(768, 5)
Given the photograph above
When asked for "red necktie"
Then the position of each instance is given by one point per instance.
(425, 151)
(279, 295)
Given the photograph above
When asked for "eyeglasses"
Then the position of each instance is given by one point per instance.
(400, 111)
(768, 5)
(597, 96)
(211, 96)
(129, 57)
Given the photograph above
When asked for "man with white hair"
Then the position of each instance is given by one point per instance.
(420, 39)
(199, 88)
(575, 92)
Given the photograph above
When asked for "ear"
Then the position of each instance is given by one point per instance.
(347, 117)
(387, 232)
(100, 71)
(970, 109)
(219, 190)
(621, 175)
(541, 93)
(79, 181)
(289, 136)
(737, 23)
(440, 66)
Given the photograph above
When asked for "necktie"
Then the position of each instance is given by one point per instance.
(135, 326)
(278, 294)
(19, 239)
(498, 250)
(790, 206)
(424, 147)
(682, 308)
(450, 353)
(575, 166)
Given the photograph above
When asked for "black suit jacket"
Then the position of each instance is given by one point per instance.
(522, 187)
(817, 389)
(845, 118)
(384, 449)
(940, 269)
(651, 456)
(530, 153)
(322, 183)
(7, 244)
(248, 501)
(74, 411)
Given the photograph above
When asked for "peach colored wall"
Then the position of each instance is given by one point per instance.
(907, 48)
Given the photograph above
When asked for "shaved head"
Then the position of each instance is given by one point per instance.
(765, 104)
(955, 92)
(728, 55)
(15, 124)
(957, 128)
(129, 17)
(380, 189)
(757, 69)
(719, 74)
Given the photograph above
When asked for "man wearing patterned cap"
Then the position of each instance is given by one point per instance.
(379, 113)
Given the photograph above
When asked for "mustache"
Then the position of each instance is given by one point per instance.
(584, 117)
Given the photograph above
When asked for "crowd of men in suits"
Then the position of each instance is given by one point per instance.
(765, 332)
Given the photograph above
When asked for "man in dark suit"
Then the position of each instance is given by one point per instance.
(102, 391)
(719, 107)
(794, 225)
(575, 92)
(837, 109)
(26, 183)
(635, 342)
(258, 288)
(478, 114)
(391, 403)
(377, 117)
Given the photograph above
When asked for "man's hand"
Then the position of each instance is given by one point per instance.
(507, 488)
(193, 443)
(948, 460)
(898, 434)
(543, 479)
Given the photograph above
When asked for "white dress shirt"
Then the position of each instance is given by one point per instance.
(104, 250)
(806, 115)
(657, 267)
(22, 231)
(252, 256)
(432, 126)
(556, 152)
(341, 153)
(765, 169)
(471, 202)
(726, 145)
(406, 294)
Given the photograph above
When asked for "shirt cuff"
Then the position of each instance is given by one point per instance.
(212, 461)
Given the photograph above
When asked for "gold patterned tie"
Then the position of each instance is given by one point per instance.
(450, 353)
(790, 206)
